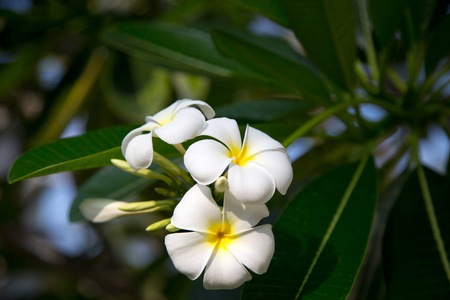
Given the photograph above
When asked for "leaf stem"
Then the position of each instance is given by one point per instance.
(316, 120)
(311, 123)
(348, 192)
(433, 219)
(396, 80)
(172, 169)
(431, 80)
(180, 148)
(370, 49)
(146, 173)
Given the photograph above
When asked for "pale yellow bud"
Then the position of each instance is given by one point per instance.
(221, 184)
(158, 225)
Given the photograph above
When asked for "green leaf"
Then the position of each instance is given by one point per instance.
(274, 58)
(321, 237)
(269, 8)
(174, 47)
(93, 149)
(417, 239)
(386, 17)
(438, 46)
(111, 183)
(262, 109)
(327, 31)
(90, 150)
(185, 11)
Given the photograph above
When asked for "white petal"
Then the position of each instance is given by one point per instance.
(164, 116)
(189, 251)
(139, 151)
(187, 124)
(251, 183)
(240, 216)
(203, 106)
(225, 130)
(206, 160)
(197, 211)
(135, 132)
(256, 141)
(254, 248)
(100, 210)
(279, 165)
(224, 271)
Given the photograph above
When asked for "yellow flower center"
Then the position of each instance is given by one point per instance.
(220, 236)
(240, 155)
(167, 120)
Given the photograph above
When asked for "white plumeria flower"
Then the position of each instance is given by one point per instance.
(181, 121)
(222, 243)
(256, 167)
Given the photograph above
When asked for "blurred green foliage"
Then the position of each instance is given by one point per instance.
(105, 63)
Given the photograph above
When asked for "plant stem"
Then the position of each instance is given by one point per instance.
(433, 219)
(172, 169)
(124, 166)
(370, 49)
(315, 121)
(311, 123)
(396, 80)
(431, 80)
(340, 209)
(180, 148)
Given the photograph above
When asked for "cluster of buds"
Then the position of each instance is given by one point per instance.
(241, 175)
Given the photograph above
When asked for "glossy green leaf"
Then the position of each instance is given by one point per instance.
(438, 46)
(90, 150)
(185, 11)
(274, 58)
(175, 47)
(111, 183)
(269, 8)
(321, 237)
(416, 246)
(327, 31)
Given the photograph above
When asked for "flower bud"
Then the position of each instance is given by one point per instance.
(221, 184)
(158, 225)
(171, 228)
(100, 210)
(147, 205)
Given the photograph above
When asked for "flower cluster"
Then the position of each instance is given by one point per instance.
(244, 173)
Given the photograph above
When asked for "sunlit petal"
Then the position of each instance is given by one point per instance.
(139, 152)
(197, 210)
(187, 124)
(240, 216)
(206, 160)
(256, 141)
(254, 248)
(135, 132)
(225, 130)
(223, 271)
(279, 165)
(250, 183)
(164, 116)
(100, 210)
(189, 252)
(203, 106)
